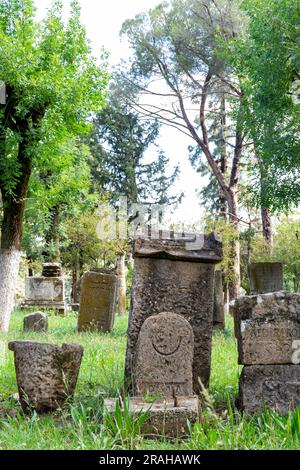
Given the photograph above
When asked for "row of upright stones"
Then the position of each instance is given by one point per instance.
(177, 298)
(169, 337)
(267, 328)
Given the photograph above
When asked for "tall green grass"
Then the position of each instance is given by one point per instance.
(83, 424)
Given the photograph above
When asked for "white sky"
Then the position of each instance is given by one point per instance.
(103, 20)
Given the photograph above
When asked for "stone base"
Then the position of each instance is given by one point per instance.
(59, 307)
(164, 419)
(273, 386)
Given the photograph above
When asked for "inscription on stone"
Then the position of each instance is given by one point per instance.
(164, 357)
(97, 303)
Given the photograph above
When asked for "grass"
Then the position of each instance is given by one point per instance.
(83, 425)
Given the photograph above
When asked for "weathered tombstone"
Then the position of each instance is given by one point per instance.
(219, 308)
(164, 357)
(76, 294)
(97, 303)
(37, 321)
(46, 374)
(273, 386)
(267, 328)
(265, 277)
(175, 275)
(46, 291)
(163, 373)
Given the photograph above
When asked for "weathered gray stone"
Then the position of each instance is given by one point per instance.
(76, 293)
(45, 293)
(51, 270)
(44, 288)
(164, 357)
(46, 374)
(265, 277)
(165, 419)
(219, 309)
(37, 321)
(97, 303)
(266, 326)
(168, 277)
(190, 247)
(274, 386)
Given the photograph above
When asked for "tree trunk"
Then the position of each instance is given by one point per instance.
(235, 284)
(9, 270)
(121, 286)
(267, 228)
(9, 256)
(11, 236)
(224, 157)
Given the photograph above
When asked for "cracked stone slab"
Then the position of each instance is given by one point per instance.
(266, 327)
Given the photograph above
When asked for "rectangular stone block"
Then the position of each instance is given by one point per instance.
(162, 285)
(164, 418)
(44, 288)
(266, 327)
(197, 247)
(273, 386)
(265, 277)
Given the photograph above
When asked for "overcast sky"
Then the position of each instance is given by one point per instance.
(103, 20)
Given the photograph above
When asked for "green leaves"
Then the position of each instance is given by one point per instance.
(50, 74)
(267, 59)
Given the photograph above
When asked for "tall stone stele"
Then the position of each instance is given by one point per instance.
(175, 275)
(46, 291)
(97, 301)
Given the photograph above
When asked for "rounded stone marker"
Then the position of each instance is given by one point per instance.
(164, 357)
(46, 374)
(37, 321)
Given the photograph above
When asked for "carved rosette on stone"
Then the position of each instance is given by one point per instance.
(46, 374)
(175, 275)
